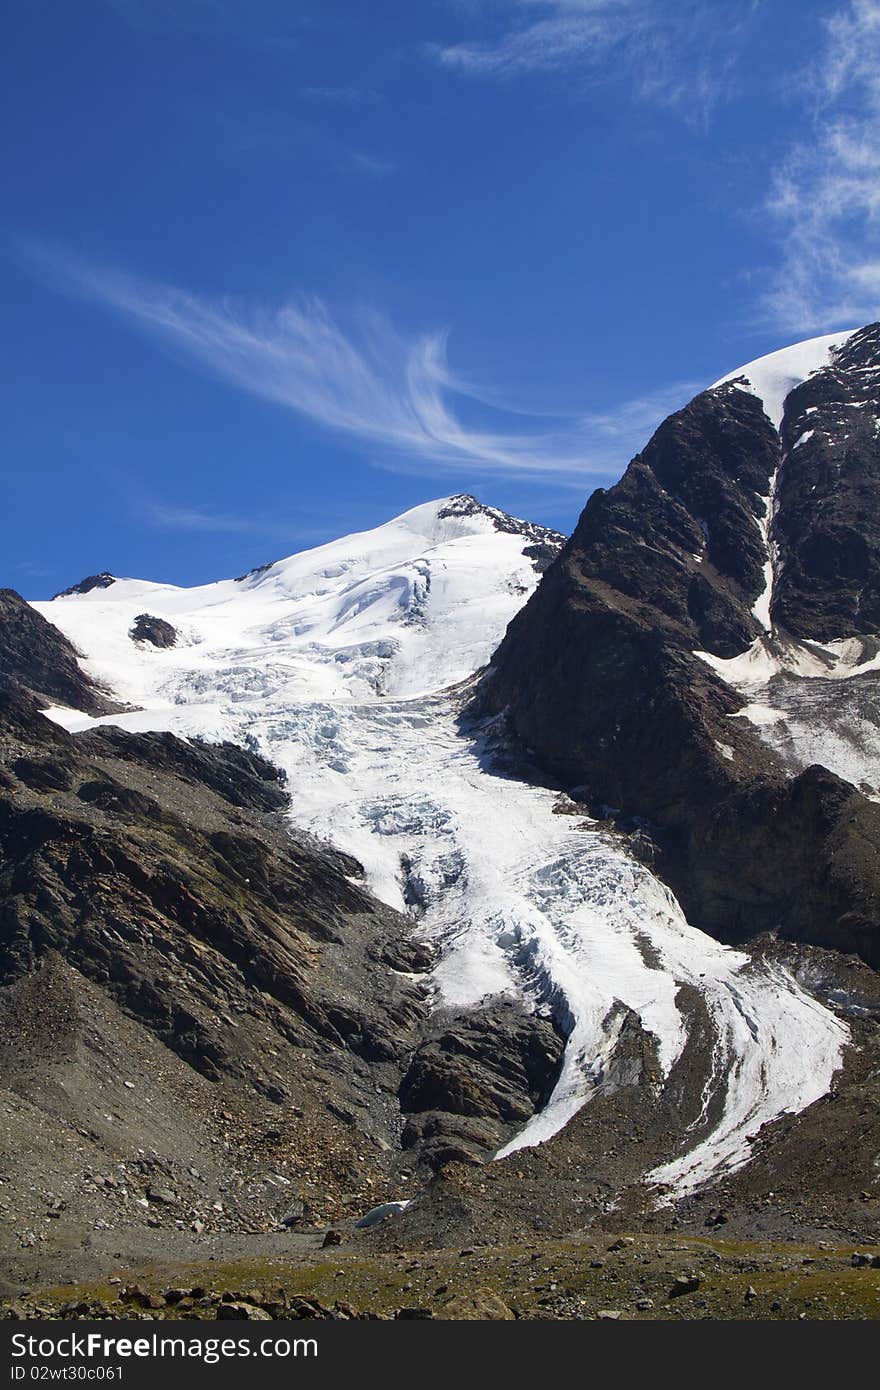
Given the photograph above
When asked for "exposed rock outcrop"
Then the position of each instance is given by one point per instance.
(36, 657)
(85, 586)
(827, 519)
(545, 543)
(150, 866)
(148, 628)
(476, 1080)
(599, 676)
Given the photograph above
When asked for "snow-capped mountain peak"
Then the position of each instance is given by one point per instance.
(340, 664)
(413, 605)
(771, 378)
(408, 537)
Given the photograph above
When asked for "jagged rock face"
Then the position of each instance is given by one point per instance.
(676, 540)
(148, 628)
(240, 778)
(686, 546)
(545, 542)
(36, 657)
(149, 865)
(599, 677)
(85, 586)
(827, 519)
(475, 1079)
(598, 669)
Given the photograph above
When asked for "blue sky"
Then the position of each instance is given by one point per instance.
(277, 270)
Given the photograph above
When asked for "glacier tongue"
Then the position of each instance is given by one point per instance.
(341, 665)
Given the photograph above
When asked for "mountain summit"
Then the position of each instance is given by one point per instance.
(413, 605)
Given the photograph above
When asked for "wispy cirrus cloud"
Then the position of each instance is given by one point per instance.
(167, 516)
(824, 205)
(566, 34)
(396, 396)
(196, 519)
(679, 55)
(34, 569)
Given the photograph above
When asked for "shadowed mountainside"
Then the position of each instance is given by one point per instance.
(599, 676)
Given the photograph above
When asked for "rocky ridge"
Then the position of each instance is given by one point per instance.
(601, 678)
(36, 658)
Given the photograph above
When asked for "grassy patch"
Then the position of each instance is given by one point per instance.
(558, 1279)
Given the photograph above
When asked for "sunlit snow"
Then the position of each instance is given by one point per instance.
(772, 377)
(344, 666)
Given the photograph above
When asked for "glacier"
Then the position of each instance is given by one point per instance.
(351, 667)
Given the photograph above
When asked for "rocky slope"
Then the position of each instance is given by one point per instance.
(35, 657)
(731, 534)
(206, 1022)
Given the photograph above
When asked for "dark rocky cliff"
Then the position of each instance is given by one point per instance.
(37, 658)
(599, 677)
(827, 522)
